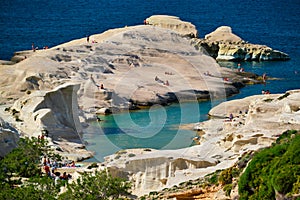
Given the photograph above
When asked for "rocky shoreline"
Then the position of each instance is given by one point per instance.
(257, 122)
(58, 90)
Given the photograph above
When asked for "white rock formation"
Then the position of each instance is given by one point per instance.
(126, 61)
(8, 138)
(173, 23)
(223, 34)
(221, 144)
(223, 45)
(137, 66)
(134, 65)
(52, 113)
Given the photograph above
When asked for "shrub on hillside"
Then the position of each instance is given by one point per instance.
(100, 185)
(272, 170)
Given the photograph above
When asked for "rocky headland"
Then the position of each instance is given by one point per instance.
(223, 45)
(56, 91)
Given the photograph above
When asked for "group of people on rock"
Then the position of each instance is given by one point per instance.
(265, 92)
(50, 168)
(263, 77)
(207, 73)
(161, 81)
(34, 48)
(88, 40)
(230, 117)
(57, 176)
(169, 73)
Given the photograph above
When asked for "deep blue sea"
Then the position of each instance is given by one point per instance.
(275, 23)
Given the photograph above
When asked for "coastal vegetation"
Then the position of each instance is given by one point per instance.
(100, 185)
(273, 171)
(21, 177)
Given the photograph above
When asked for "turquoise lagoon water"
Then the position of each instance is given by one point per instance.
(274, 23)
(158, 127)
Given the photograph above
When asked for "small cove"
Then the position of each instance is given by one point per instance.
(158, 127)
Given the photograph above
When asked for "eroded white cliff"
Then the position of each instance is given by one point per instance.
(8, 137)
(53, 114)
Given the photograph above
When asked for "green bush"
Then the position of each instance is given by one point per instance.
(227, 188)
(226, 176)
(100, 185)
(273, 169)
(284, 178)
(213, 179)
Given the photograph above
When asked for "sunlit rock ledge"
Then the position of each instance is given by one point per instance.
(257, 122)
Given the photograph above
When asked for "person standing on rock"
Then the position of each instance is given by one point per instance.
(88, 39)
(47, 169)
(231, 117)
(264, 77)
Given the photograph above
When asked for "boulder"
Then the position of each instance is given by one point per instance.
(103, 111)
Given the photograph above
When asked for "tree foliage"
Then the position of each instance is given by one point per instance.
(100, 185)
(21, 177)
(275, 169)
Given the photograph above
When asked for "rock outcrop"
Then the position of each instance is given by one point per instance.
(223, 45)
(257, 122)
(8, 138)
(53, 114)
(223, 34)
(52, 111)
(185, 29)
